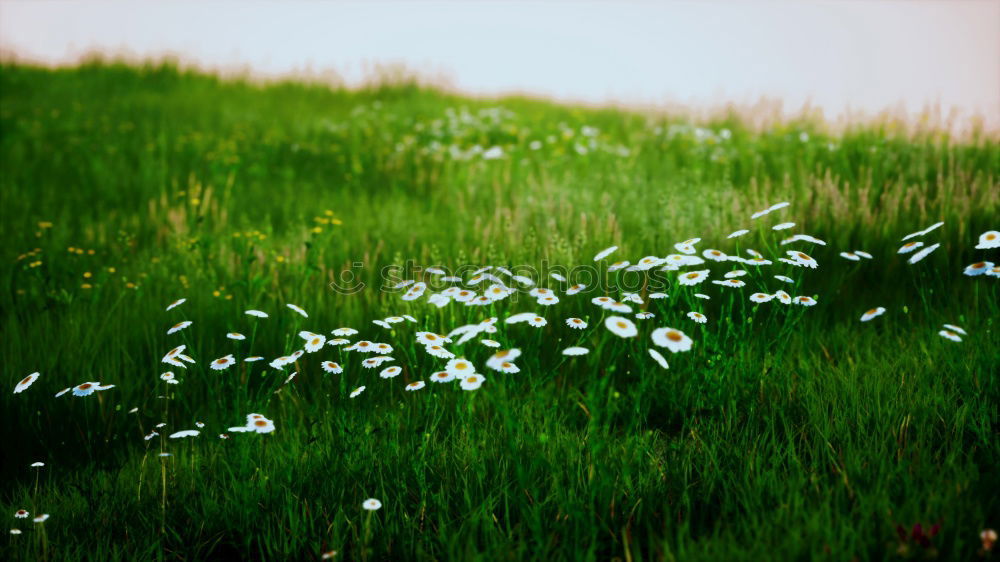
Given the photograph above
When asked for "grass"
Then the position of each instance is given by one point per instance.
(786, 433)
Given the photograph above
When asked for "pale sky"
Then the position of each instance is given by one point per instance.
(845, 54)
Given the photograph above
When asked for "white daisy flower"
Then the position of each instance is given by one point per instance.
(435, 271)
(802, 259)
(576, 323)
(922, 232)
(909, 247)
(674, 340)
(738, 233)
(15, 531)
(331, 367)
(784, 297)
(472, 382)
(850, 256)
(605, 253)
(372, 504)
(169, 377)
(644, 315)
(236, 336)
(430, 338)
(783, 226)
(948, 334)
(500, 357)
(619, 265)
(253, 359)
(507, 367)
(262, 425)
(735, 273)
(993, 271)
(179, 326)
(382, 324)
(404, 283)
(298, 309)
(805, 301)
(520, 317)
(537, 322)
(383, 348)
(863, 254)
(41, 518)
(223, 363)
(697, 317)
(988, 240)
(37, 464)
(460, 367)
(26, 382)
(256, 313)
(375, 362)
(548, 300)
(344, 332)
(714, 255)
(955, 328)
(390, 372)
(442, 376)
(415, 292)
(692, 277)
(315, 343)
(185, 433)
(463, 295)
(357, 391)
(21, 514)
(439, 300)
(362, 346)
(523, 280)
(649, 262)
(784, 278)
(558, 277)
(659, 358)
(977, 268)
(777, 206)
(337, 341)
(760, 297)
(61, 392)
(619, 307)
(415, 385)
(602, 301)
(736, 283)
(176, 303)
(702, 296)
(438, 351)
(872, 313)
(620, 326)
(490, 343)
(574, 351)
(85, 389)
(656, 296)
(632, 297)
(575, 289)
(923, 253)
(801, 237)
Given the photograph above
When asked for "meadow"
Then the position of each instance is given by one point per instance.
(789, 430)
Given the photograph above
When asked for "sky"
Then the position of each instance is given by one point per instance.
(842, 56)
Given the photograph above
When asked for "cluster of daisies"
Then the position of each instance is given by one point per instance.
(25, 514)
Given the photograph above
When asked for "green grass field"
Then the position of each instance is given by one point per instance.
(787, 432)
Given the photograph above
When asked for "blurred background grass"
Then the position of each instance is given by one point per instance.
(782, 435)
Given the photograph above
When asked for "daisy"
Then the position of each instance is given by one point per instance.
(383, 348)
(605, 253)
(223, 363)
(261, 425)
(507, 367)
(922, 232)
(169, 378)
(37, 464)
(602, 301)
(315, 342)
(777, 206)
(236, 336)
(850, 256)
(714, 255)
(85, 389)
(430, 338)
(863, 254)
(404, 283)
(442, 376)
(382, 324)
(632, 297)
(490, 343)
(548, 300)
(994, 271)
(693, 277)
(439, 352)
(176, 303)
(757, 261)
(338, 341)
(344, 332)
(738, 233)
(298, 309)
(575, 289)
(978, 268)
(537, 322)
(435, 271)
(650, 262)
(621, 327)
(439, 300)
(253, 359)
(989, 240)
(464, 296)
(948, 334)
(760, 297)
(784, 297)
(697, 317)
(576, 323)
(415, 291)
(805, 301)
(801, 237)
(573, 351)
(659, 358)
(618, 265)
(26, 382)
(923, 253)
(558, 277)
(41, 518)
(185, 433)
(754, 253)
(375, 362)
(729, 283)
(472, 382)
(803, 259)
(357, 391)
(783, 226)
(655, 296)
(618, 307)
(460, 367)
(416, 385)
(372, 504)
(497, 292)
(955, 328)
(363, 346)
(179, 326)
(784, 278)
(256, 313)
(702, 296)
(644, 315)
(909, 247)
(331, 367)
(735, 273)
(15, 531)
(872, 313)
(61, 392)
(674, 340)
(21, 514)
(390, 372)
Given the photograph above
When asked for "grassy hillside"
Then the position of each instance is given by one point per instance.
(786, 432)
